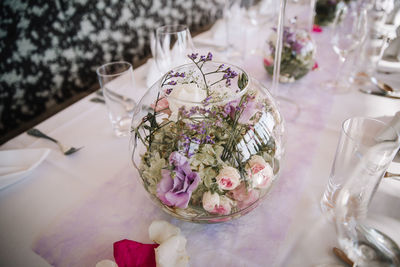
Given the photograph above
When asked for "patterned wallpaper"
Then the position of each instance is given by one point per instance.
(51, 49)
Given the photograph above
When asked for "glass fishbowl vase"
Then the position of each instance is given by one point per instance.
(207, 141)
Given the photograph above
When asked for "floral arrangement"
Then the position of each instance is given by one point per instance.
(297, 57)
(325, 11)
(208, 141)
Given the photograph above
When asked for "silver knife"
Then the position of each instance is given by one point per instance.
(380, 93)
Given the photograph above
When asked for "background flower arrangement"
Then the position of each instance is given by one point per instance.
(297, 57)
(211, 141)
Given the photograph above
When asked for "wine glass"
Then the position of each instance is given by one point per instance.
(172, 45)
(348, 32)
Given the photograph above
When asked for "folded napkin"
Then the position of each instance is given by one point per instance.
(390, 61)
(393, 122)
(17, 164)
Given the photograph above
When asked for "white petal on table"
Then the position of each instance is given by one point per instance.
(160, 231)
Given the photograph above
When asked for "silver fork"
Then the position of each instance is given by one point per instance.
(67, 150)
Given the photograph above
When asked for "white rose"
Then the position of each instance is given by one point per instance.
(185, 92)
(210, 201)
(228, 178)
(260, 172)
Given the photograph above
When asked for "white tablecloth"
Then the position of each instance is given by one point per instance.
(71, 209)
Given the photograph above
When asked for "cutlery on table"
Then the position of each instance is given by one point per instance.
(98, 100)
(341, 255)
(395, 176)
(381, 85)
(128, 103)
(67, 150)
(380, 93)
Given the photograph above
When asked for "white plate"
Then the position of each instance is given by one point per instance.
(17, 164)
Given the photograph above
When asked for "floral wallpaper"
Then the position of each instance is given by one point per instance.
(51, 49)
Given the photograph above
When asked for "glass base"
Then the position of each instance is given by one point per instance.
(290, 109)
(122, 126)
(335, 87)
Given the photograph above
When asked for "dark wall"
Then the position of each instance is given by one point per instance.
(51, 49)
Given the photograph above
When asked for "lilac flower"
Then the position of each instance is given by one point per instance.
(168, 91)
(177, 191)
(193, 56)
(209, 56)
(177, 74)
(171, 83)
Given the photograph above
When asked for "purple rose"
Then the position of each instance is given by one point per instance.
(176, 191)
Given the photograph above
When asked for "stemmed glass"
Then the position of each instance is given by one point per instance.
(349, 31)
(173, 44)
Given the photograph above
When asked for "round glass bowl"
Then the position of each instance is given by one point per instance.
(298, 52)
(207, 141)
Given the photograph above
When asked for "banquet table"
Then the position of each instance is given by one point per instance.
(70, 210)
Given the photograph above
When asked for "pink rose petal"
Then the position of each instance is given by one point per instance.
(315, 66)
(128, 253)
(316, 28)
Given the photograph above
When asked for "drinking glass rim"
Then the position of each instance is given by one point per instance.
(129, 66)
(172, 28)
(397, 140)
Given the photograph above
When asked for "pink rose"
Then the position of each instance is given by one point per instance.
(260, 172)
(216, 204)
(244, 196)
(162, 105)
(267, 62)
(228, 178)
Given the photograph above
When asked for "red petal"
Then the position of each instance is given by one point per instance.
(316, 28)
(315, 65)
(128, 253)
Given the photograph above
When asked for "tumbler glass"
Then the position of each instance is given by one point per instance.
(366, 148)
(376, 145)
(118, 85)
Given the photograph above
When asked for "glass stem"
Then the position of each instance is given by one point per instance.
(340, 70)
(278, 46)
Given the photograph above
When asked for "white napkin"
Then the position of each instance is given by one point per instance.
(17, 164)
(391, 56)
(393, 122)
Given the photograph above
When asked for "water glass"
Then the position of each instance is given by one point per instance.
(366, 148)
(373, 147)
(117, 82)
(172, 45)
